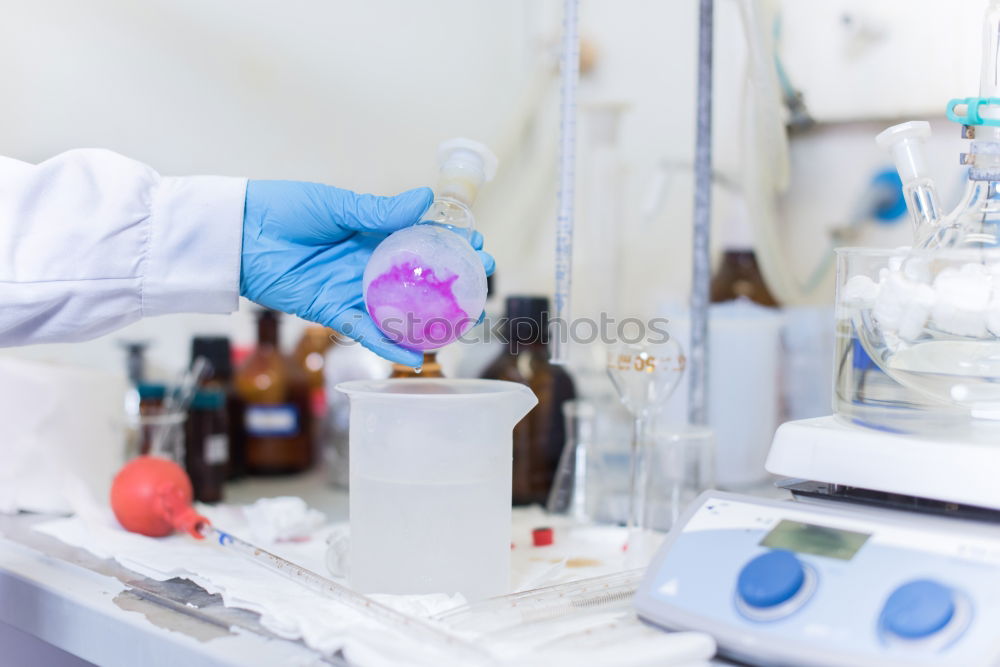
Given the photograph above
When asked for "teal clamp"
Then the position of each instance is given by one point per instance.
(972, 115)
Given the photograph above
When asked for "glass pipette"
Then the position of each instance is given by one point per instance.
(570, 71)
(542, 604)
(406, 625)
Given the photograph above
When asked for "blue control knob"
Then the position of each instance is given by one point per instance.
(770, 579)
(918, 609)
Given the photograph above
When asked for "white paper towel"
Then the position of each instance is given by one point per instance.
(294, 612)
(287, 609)
(63, 435)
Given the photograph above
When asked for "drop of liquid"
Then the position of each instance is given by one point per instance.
(418, 369)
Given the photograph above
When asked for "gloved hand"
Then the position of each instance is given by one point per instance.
(305, 247)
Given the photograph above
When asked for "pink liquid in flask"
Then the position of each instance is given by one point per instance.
(415, 306)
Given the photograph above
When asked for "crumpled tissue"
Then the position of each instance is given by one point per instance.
(282, 519)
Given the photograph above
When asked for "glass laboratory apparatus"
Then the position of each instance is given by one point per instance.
(918, 329)
(645, 375)
(424, 286)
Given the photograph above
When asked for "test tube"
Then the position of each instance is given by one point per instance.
(570, 70)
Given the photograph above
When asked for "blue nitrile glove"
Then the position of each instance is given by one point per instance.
(305, 247)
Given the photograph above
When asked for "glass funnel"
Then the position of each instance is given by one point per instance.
(645, 376)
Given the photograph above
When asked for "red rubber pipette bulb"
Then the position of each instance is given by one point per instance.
(152, 496)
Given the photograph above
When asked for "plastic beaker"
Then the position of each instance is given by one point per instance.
(430, 484)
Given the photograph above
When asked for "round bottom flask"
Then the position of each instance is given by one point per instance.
(424, 286)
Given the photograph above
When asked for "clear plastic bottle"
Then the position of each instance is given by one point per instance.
(424, 285)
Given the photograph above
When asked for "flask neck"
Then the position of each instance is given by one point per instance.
(921, 202)
(451, 213)
(461, 190)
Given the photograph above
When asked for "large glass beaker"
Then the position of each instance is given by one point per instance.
(918, 338)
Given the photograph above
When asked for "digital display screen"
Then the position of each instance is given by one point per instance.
(819, 540)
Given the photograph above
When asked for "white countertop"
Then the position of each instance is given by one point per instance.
(61, 604)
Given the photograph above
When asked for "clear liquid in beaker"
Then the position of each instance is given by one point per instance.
(421, 537)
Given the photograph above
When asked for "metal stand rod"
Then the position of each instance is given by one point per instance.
(701, 261)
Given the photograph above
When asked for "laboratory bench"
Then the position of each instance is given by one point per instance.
(62, 605)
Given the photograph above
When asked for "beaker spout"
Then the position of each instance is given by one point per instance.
(519, 403)
(905, 143)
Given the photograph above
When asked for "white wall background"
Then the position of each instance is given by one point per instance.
(358, 94)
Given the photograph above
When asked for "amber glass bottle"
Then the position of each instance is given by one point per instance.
(539, 437)
(429, 368)
(218, 351)
(206, 445)
(276, 418)
(310, 357)
(739, 276)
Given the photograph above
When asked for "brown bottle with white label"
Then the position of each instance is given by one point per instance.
(206, 444)
(276, 417)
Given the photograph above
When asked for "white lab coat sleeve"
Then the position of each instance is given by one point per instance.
(91, 241)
